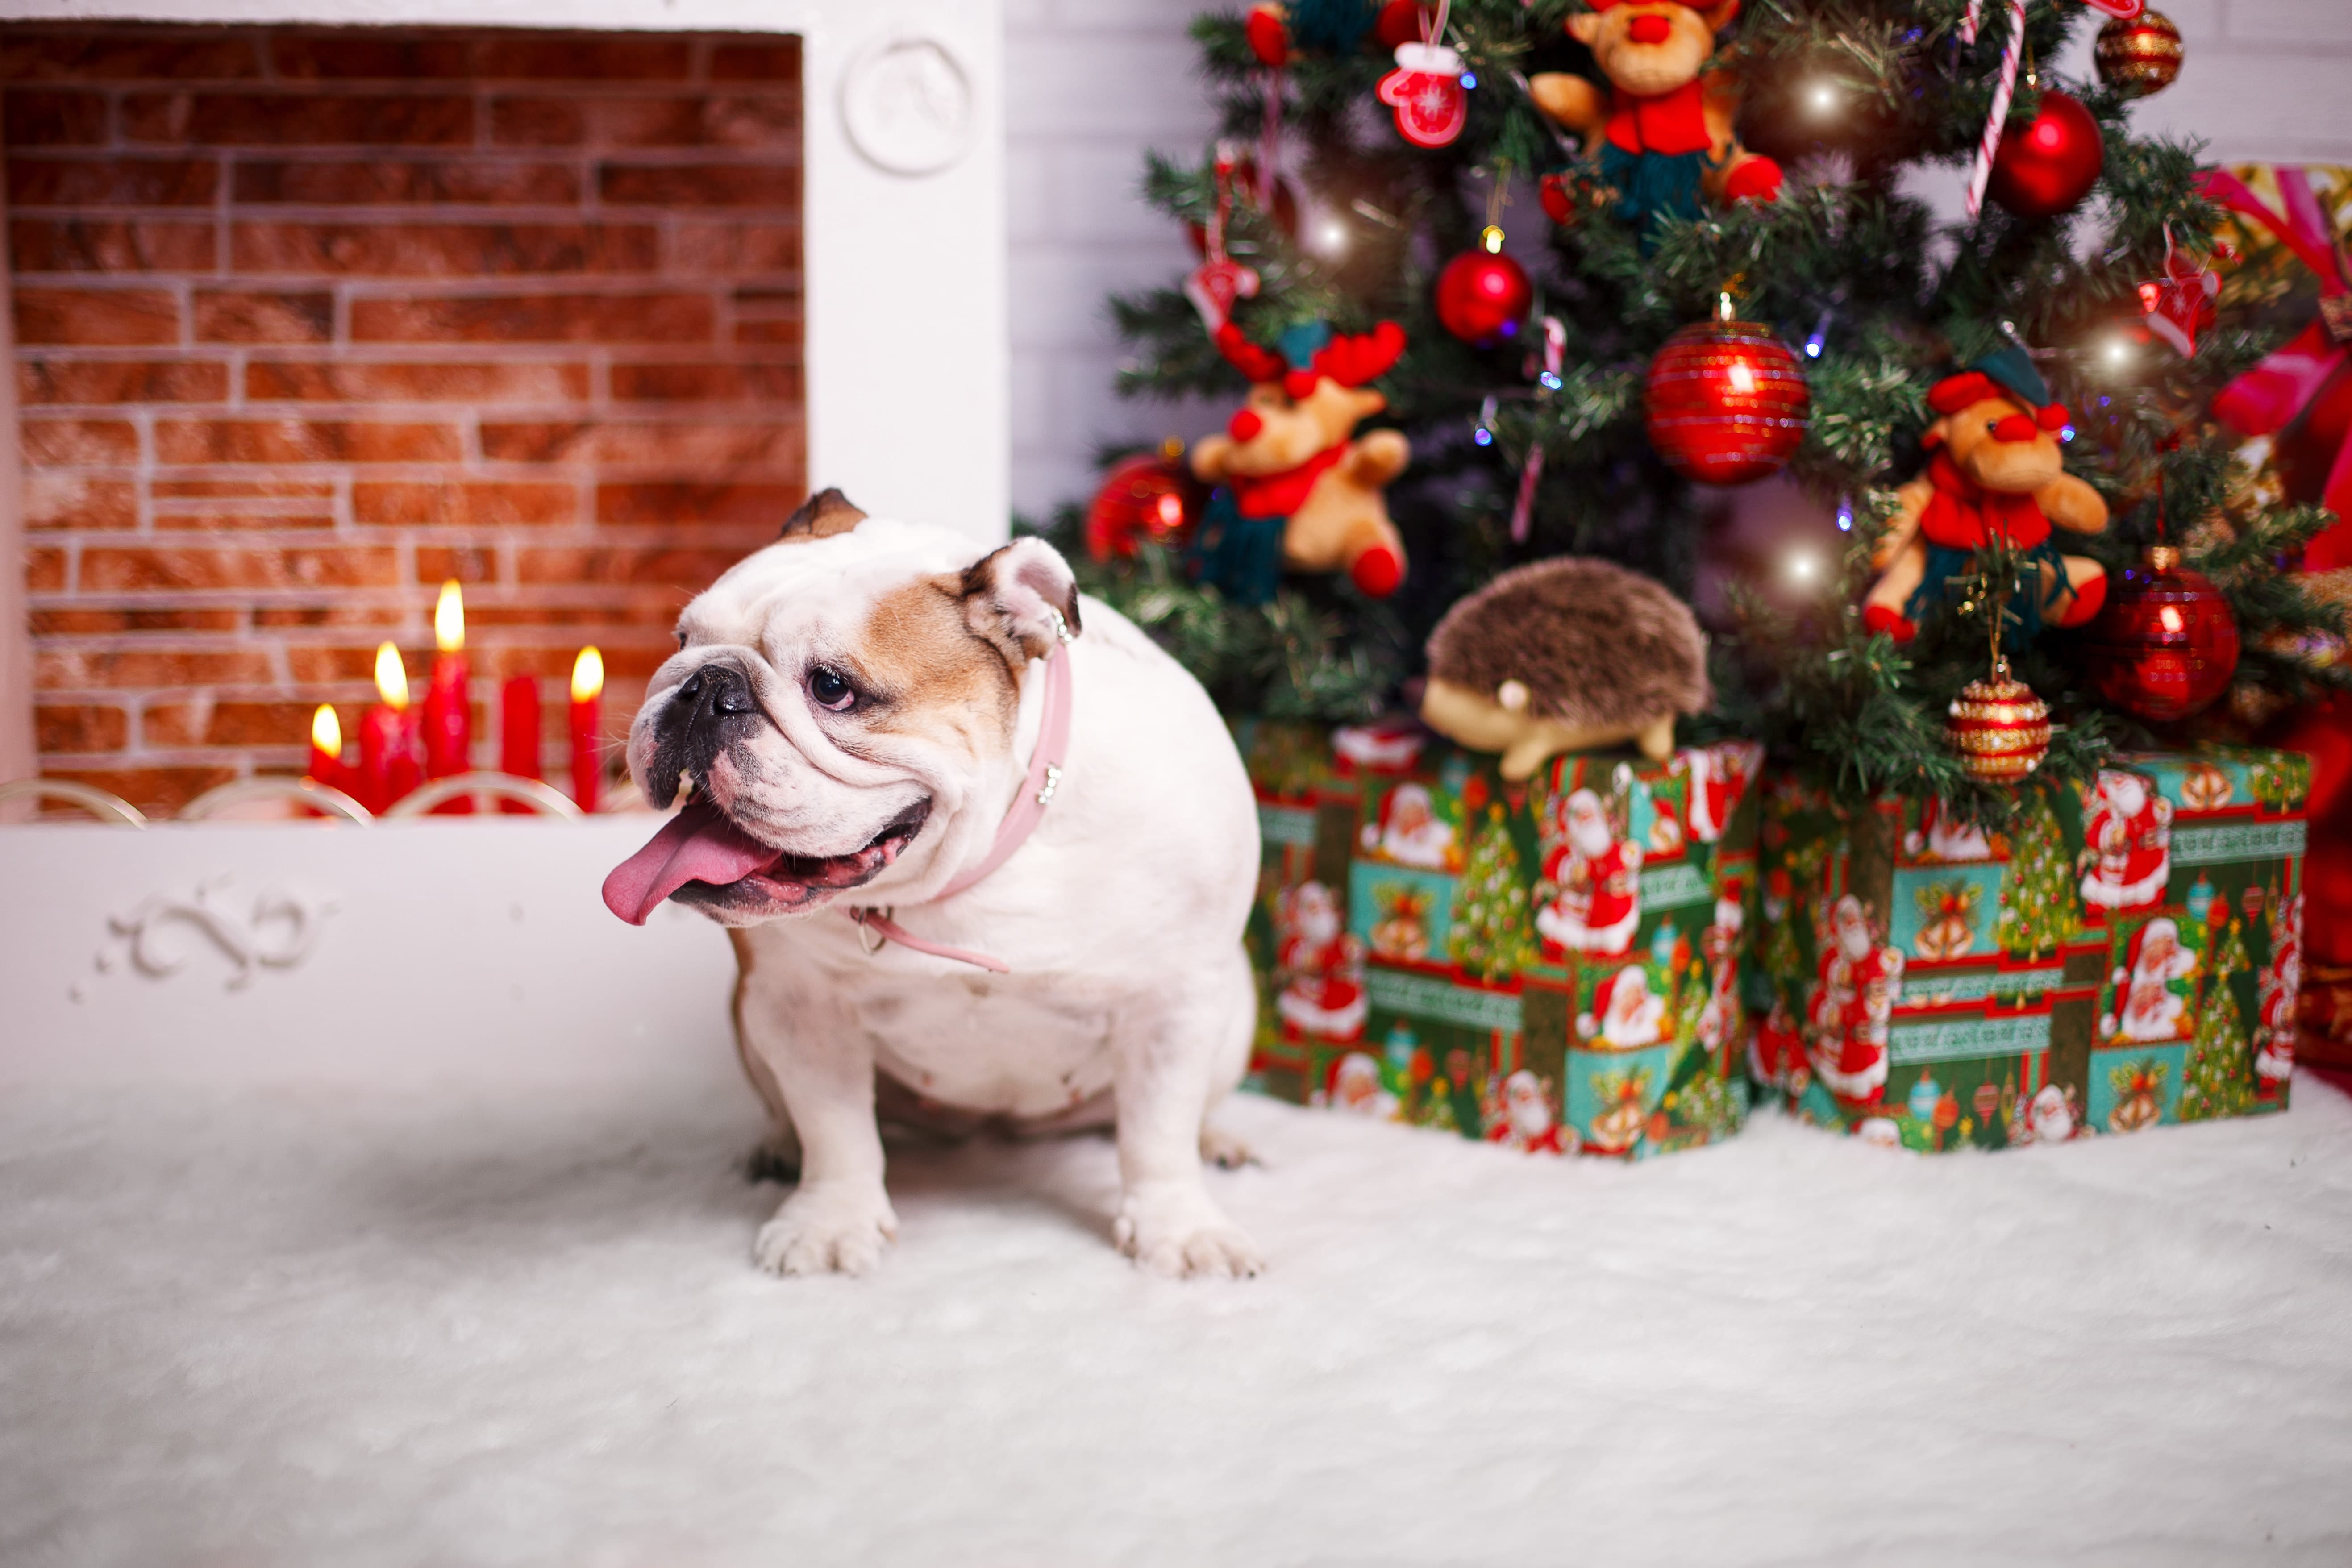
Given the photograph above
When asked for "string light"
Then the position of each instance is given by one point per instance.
(2118, 351)
(1803, 565)
(1483, 434)
(1331, 234)
(1491, 237)
(1469, 80)
(1820, 337)
(1845, 514)
(1824, 98)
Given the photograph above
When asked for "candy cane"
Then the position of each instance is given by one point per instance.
(1523, 508)
(1968, 23)
(2000, 115)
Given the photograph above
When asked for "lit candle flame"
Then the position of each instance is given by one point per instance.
(449, 618)
(587, 675)
(326, 732)
(390, 677)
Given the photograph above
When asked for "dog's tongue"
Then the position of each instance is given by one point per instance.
(698, 845)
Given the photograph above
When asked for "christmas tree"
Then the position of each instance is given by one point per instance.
(2041, 910)
(1464, 170)
(1488, 936)
(2218, 1077)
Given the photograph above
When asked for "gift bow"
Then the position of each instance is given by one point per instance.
(2267, 399)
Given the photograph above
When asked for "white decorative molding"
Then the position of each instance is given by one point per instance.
(907, 104)
(278, 934)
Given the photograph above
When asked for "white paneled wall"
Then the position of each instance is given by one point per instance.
(1091, 83)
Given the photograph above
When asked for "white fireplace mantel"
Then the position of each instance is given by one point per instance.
(905, 270)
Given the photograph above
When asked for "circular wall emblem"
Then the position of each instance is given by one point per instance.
(907, 105)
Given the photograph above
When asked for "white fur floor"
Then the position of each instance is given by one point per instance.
(306, 1331)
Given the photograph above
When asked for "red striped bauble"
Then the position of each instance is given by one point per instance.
(1727, 402)
(2001, 729)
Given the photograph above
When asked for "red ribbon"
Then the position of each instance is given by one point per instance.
(2267, 399)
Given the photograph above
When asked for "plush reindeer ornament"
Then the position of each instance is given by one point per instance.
(1664, 133)
(1565, 655)
(1995, 473)
(1297, 489)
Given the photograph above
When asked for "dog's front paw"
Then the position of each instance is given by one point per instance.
(1178, 1232)
(838, 1228)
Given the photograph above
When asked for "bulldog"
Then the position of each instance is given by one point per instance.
(972, 834)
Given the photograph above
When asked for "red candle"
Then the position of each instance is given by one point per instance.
(326, 747)
(448, 710)
(587, 726)
(388, 768)
(518, 735)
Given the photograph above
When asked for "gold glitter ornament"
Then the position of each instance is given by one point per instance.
(2141, 56)
(2001, 729)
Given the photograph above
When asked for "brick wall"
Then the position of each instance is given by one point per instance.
(309, 320)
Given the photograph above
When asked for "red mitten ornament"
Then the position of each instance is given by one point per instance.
(1268, 32)
(1425, 90)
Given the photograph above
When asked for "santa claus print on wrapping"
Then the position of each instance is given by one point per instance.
(1591, 891)
(1521, 1118)
(2127, 835)
(1355, 1088)
(2276, 997)
(1852, 1000)
(1938, 837)
(1319, 965)
(2052, 1116)
(1409, 831)
(1626, 1015)
(2150, 999)
(1720, 1022)
(1720, 776)
(1402, 931)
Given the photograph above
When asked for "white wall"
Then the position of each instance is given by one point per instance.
(1089, 84)
(1092, 83)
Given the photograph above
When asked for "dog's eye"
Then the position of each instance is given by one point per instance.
(681, 641)
(830, 689)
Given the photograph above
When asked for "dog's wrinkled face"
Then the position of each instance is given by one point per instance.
(836, 702)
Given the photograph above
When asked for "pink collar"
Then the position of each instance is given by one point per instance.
(1028, 811)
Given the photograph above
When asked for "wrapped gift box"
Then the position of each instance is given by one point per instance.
(1553, 966)
(2126, 956)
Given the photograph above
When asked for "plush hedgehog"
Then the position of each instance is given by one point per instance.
(1565, 655)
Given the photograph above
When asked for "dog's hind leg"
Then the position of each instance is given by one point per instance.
(1171, 1064)
(1218, 1147)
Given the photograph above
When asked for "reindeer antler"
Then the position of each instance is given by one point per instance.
(1353, 361)
(1255, 363)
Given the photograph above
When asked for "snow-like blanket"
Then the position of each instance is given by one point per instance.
(313, 1331)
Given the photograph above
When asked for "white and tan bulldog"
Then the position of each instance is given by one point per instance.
(850, 717)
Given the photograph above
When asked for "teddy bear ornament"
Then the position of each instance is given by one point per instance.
(1298, 488)
(1996, 473)
(1662, 133)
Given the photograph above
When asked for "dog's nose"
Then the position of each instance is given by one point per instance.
(712, 695)
(1650, 28)
(2015, 428)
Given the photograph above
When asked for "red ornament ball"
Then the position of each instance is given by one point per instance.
(2000, 727)
(1727, 402)
(1482, 297)
(2166, 644)
(1150, 496)
(2048, 163)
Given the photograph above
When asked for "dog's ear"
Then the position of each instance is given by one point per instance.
(1011, 597)
(822, 516)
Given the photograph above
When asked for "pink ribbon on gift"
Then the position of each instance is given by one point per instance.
(2265, 399)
